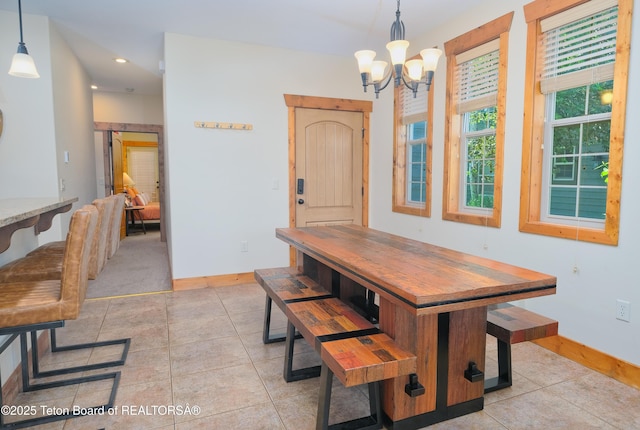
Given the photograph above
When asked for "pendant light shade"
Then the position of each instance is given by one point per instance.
(22, 64)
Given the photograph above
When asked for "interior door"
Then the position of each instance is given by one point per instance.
(329, 163)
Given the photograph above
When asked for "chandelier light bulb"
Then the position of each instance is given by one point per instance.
(365, 59)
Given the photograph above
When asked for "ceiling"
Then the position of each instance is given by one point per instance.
(99, 31)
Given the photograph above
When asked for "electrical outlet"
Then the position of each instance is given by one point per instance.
(244, 246)
(623, 310)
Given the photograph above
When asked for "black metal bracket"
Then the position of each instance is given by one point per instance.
(414, 388)
(473, 374)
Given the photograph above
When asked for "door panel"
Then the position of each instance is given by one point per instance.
(329, 161)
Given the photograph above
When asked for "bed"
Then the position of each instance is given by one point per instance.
(150, 210)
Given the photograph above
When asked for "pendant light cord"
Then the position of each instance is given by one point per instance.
(20, 20)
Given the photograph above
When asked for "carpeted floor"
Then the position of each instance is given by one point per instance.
(141, 265)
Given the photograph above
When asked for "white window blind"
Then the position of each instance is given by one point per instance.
(143, 169)
(413, 109)
(477, 77)
(581, 51)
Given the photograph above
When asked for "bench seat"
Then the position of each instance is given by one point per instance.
(327, 319)
(364, 359)
(512, 324)
(356, 361)
(285, 285)
(318, 321)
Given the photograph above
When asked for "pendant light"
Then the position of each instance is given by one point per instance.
(22, 64)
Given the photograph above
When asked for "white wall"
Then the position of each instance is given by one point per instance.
(585, 301)
(73, 124)
(44, 118)
(220, 181)
(27, 145)
(128, 108)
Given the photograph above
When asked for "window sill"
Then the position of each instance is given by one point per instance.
(582, 234)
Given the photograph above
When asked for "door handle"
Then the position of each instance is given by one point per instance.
(300, 201)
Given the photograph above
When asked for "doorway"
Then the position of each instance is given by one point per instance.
(113, 160)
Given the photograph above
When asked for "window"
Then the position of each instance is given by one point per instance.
(574, 119)
(479, 155)
(474, 139)
(417, 162)
(412, 152)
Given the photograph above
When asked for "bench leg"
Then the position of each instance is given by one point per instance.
(266, 327)
(504, 378)
(290, 374)
(324, 398)
(371, 422)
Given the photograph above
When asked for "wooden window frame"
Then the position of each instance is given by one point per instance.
(400, 203)
(451, 211)
(533, 130)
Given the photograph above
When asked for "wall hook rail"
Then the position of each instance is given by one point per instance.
(223, 125)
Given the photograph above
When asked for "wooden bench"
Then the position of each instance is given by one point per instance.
(512, 324)
(356, 361)
(318, 321)
(349, 344)
(285, 285)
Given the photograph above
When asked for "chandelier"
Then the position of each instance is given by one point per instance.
(412, 73)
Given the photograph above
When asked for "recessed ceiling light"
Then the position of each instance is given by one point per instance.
(94, 87)
(121, 60)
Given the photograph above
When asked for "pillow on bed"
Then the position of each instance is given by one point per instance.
(139, 200)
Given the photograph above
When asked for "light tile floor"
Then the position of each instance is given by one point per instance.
(203, 348)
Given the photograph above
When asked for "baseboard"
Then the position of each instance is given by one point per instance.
(13, 385)
(212, 281)
(620, 370)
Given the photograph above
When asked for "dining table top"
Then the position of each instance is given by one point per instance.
(420, 276)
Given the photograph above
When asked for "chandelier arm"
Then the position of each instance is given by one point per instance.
(379, 88)
(413, 86)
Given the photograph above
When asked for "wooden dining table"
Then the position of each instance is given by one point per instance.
(432, 301)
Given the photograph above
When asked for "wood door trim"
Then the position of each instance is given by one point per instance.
(310, 102)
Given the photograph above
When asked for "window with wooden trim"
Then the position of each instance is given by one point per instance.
(474, 134)
(412, 152)
(575, 103)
